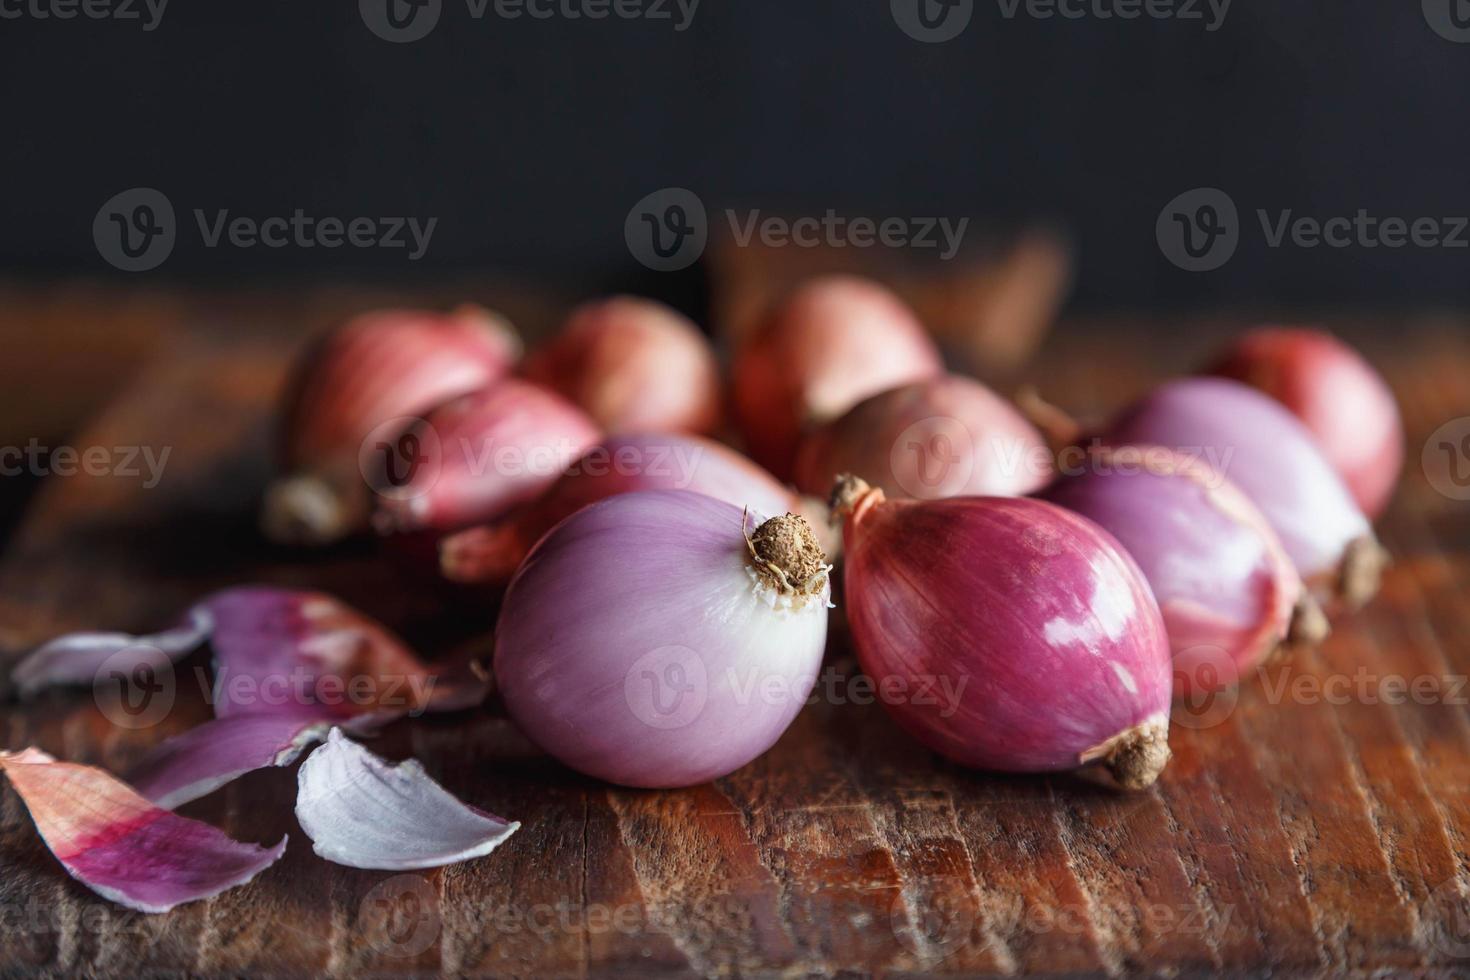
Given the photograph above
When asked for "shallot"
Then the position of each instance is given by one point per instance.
(473, 459)
(1343, 402)
(619, 464)
(831, 344)
(651, 639)
(370, 377)
(1267, 453)
(1229, 595)
(1036, 620)
(634, 366)
(947, 436)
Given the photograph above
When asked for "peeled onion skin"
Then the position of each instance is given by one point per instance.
(633, 365)
(373, 369)
(1337, 395)
(1034, 616)
(947, 436)
(651, 640)
(1224, 584)
(490, 554)
(1270, 456)
(832, 343)
(481, 455)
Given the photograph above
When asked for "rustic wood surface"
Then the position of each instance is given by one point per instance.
(1292, 834)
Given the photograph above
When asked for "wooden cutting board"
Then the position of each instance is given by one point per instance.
(1291, 834)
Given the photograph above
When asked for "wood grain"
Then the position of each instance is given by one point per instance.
(1295, 833)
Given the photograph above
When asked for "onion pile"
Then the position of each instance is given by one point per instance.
(947, 436)
(831, 344)
(1337, 395)
(372, 374)
(634, 366)
(665, 607)
(1035, 629)
(1228, 593)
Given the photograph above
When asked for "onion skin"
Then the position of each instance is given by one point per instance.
(1337, 395)
(375, 368)
(490, 554)
(831, 344)
(642, 589)
(481, 455)
(1034, 617)
(633, 365)
(1268, 454)
(1228, 592)
(948, 436)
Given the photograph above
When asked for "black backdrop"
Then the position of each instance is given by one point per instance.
(531, 139)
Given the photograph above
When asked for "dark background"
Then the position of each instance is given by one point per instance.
(530, 140)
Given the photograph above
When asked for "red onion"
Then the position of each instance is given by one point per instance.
(948, 436)
(651, 640)
(1267, 453)
(619, 464)
(831, 344)
(372, 373)
(1343, 402)
(634, 366)
(1007, 633)
(1227, 590)
(472, 459)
